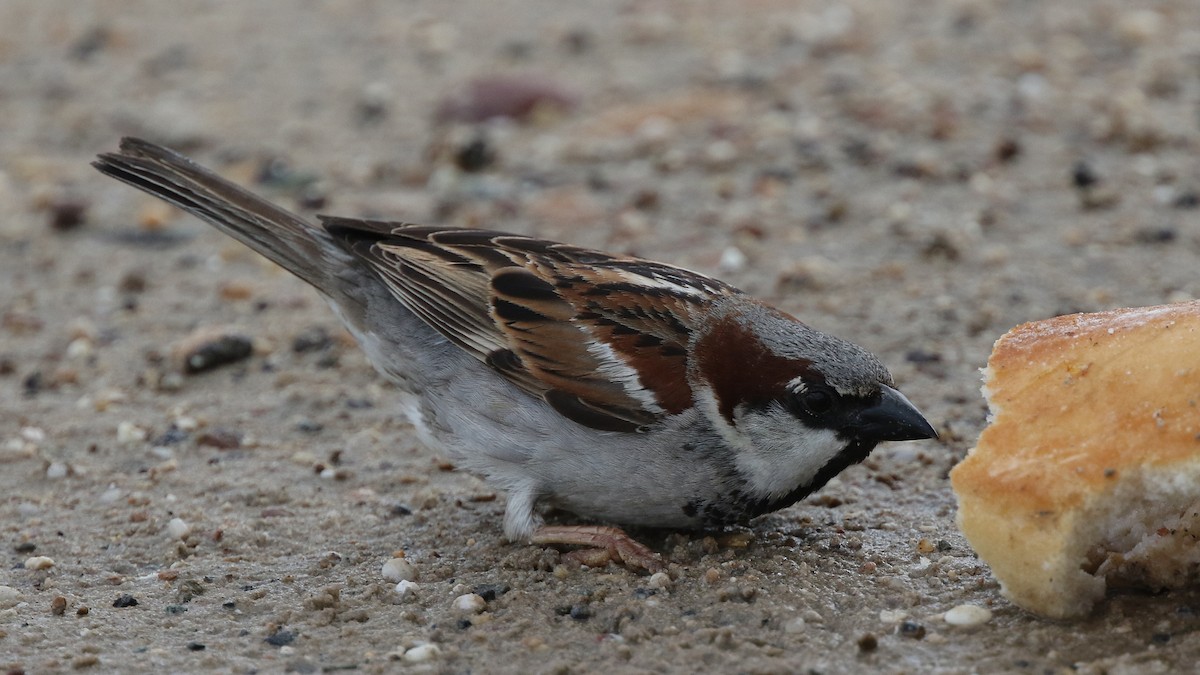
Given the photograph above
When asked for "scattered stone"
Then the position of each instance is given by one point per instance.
(472, 603)
(868, 642)
(911, 629)
(660, 581)
(968, 615)
(210, 348)
(490, 592)
(222, 439)
(195, 647)
(129, 433)
(39, 562)
(67, 214)
(795, 625)
(178, 528)
(406, 589)
(58, 606)
(422, 653)
(9, 597)
(312, 339)
(280, 637)
(399, 569)
(57, 470)
(125, 600)
(475, 156)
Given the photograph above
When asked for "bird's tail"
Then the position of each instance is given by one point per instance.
(276, 233)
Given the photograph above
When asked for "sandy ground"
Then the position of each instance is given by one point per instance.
(916, 176)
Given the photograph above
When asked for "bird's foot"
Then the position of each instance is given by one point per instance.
(605, 544)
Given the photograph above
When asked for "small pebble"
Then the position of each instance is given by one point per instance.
(178, 528)
(210, 348)
(39, 562)
(399, 569)
(9, 597)
(58, 606)
(795, 625)
(659, 581)
(911, 629)
(129, 433)
(125, 600)
(470, 602)
(868, 643)
(968, 615)
(422, 653)
(406, 588)
(57, 470)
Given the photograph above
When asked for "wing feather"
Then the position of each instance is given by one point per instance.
(602, 338)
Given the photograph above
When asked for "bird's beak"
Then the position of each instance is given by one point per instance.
(893, 418)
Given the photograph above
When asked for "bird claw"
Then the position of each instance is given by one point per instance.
(604, 545)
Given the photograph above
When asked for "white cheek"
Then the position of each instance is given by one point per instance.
(773, 450)
(785, 454)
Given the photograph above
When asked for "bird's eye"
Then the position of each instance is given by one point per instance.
(816, 401)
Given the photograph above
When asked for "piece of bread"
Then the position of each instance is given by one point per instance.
(1089, 472)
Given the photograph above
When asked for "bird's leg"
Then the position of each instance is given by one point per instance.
(606, 544)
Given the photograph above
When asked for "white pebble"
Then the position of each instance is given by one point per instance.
(659, 580)
(796, 625)
(128, 432)
(9, 597)
(110, 495)
(732, 259)
(178, 528)
(422, 653)
(470, 602)
(57, 470)
(892, 615)
(399, 569)
(33, 434)
(39, 562)
(968, 615)
(406, 588)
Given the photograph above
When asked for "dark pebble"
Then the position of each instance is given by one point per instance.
(911, 629)
(643, 593)
(1160, 638)
(1156, 235)
(32, 385)
(1083, 176)
(490, 592)
(309, 427)
(1189, 199)
(1006, 150)
(359, 403)
(222, 439)
(221, 351)
(171, 437)
(68, 215)
(868, 643)
(922, 356)
(126, 600)
(580, 613)
(195, 647)
(176, 609)
(25, 547)
(475, 156)
(311, 339)
(463, 624)
(944, 545)
(401, 510)
(229, 605)
(280, 638)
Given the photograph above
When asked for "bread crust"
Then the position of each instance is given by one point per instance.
(1095, 429)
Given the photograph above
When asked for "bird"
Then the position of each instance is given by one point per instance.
(624, 391)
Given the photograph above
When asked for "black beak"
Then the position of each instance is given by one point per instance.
(892, 418)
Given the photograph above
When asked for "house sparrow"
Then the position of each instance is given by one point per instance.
(622, 390)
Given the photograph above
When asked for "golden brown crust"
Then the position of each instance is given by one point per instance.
(1083, 407)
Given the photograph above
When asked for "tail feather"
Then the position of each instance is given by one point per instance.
(278, 234)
